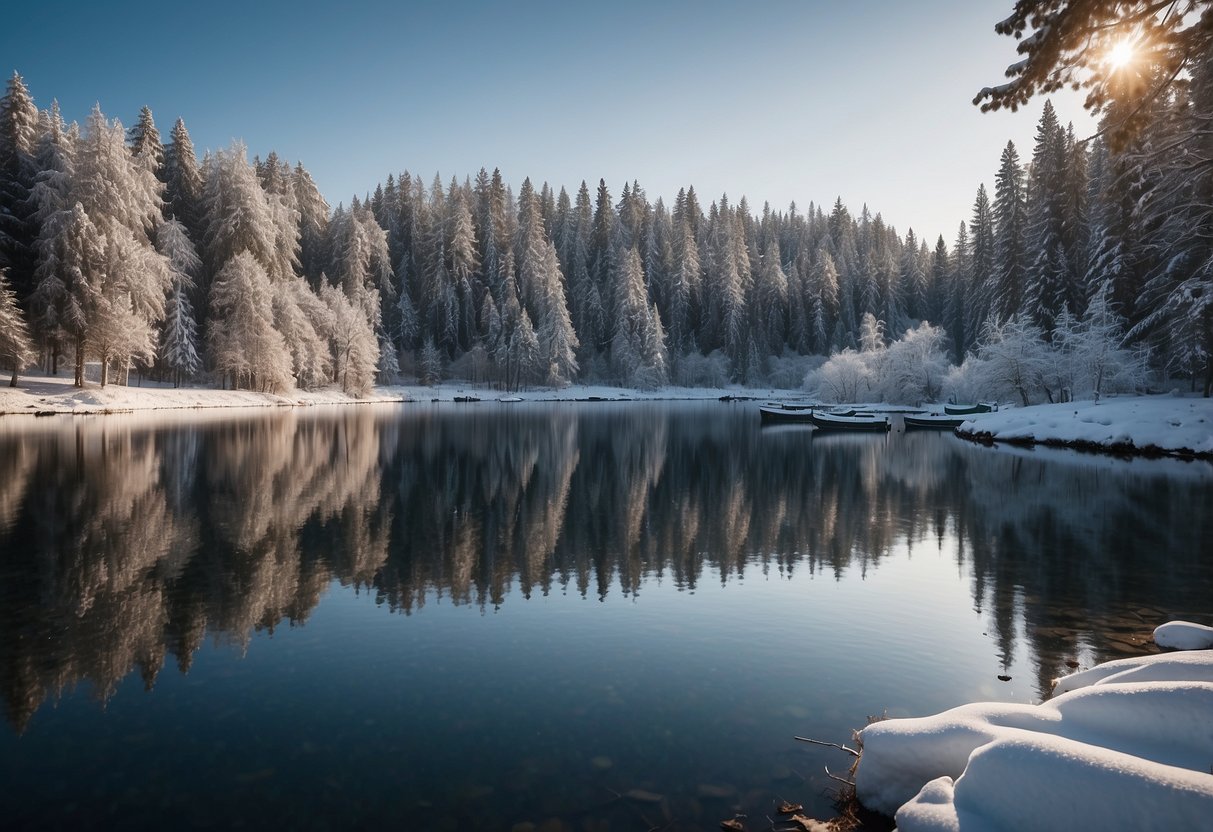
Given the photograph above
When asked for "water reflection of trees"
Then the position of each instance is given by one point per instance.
(124, 544)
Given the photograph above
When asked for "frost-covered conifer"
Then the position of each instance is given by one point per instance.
(1010, 220)
(51, 196)
(145, 143)
(430, 364)
(244, 347)
(183, 182)
(18, 229)
(122, 199)
(179, 335)
(16, 348)
(544, 298)
(638, 352)
(355, 344)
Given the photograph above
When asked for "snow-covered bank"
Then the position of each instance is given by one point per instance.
(1141, 424)
(37, 394)
(1125, 745)
(41, 395)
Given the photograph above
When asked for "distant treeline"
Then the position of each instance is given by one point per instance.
(131, 251)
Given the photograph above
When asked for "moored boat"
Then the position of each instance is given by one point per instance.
(932, 420)
(967, 409)
(868, 422)
(779, 414)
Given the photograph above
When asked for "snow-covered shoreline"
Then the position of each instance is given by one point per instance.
(1146, 425)
(1125, 744)
(45, 395)
(1140, 425)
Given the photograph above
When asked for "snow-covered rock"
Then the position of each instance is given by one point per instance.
(1127, 744)
(1183, 635)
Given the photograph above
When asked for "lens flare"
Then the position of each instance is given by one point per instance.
(1121, 55)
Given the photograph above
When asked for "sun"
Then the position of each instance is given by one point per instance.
(1121, 55)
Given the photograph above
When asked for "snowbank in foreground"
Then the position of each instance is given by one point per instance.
(1127, 746)
(1158, 423)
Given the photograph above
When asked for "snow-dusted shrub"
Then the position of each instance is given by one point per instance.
(787, 372)
(913, 368)
(1089, 354)
(696, 370)
(1014, 361)
(843, 377)
(966, 382)
(473, 366)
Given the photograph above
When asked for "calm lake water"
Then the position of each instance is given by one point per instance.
(470, 617)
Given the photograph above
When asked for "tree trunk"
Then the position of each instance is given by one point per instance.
(79, 362)
(105, 368)
(13, 383)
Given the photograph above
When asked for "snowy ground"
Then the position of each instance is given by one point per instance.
(1152, 424)
(42, 394)
(1124, 745)
(48, 394)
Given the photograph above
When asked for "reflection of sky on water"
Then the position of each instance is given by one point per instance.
(665, 586)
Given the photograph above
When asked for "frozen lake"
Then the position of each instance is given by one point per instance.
(474, 616)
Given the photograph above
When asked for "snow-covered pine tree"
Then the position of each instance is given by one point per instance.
(1048, 288)
(684, 290)
(51, 195)
(183, 182)
(465, 264)
(843, 251)
(237, 212)
(981, 261)
(606, 241)
(18, 229)
(771, 307)
(956, 297)
(179, 337)
(585, 298)
(145, 143)
(518, 347)
(638, 352)
(543, 296)
(1076, 230)
(313, 224)
(179, 334)
(938, 283)
(122, 198)
(913, 279)
(1010, 219)
(355, 344)
(823, 283)
(429, 364)
(659, 257)
(16, 348)
(243, 344)
(1175, 311)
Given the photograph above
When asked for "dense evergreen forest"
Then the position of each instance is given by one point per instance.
(124, 249)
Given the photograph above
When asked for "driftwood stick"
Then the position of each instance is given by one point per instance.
(836, 777)
(850, 751)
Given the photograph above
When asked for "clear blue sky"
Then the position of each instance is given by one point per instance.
(779, 101)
